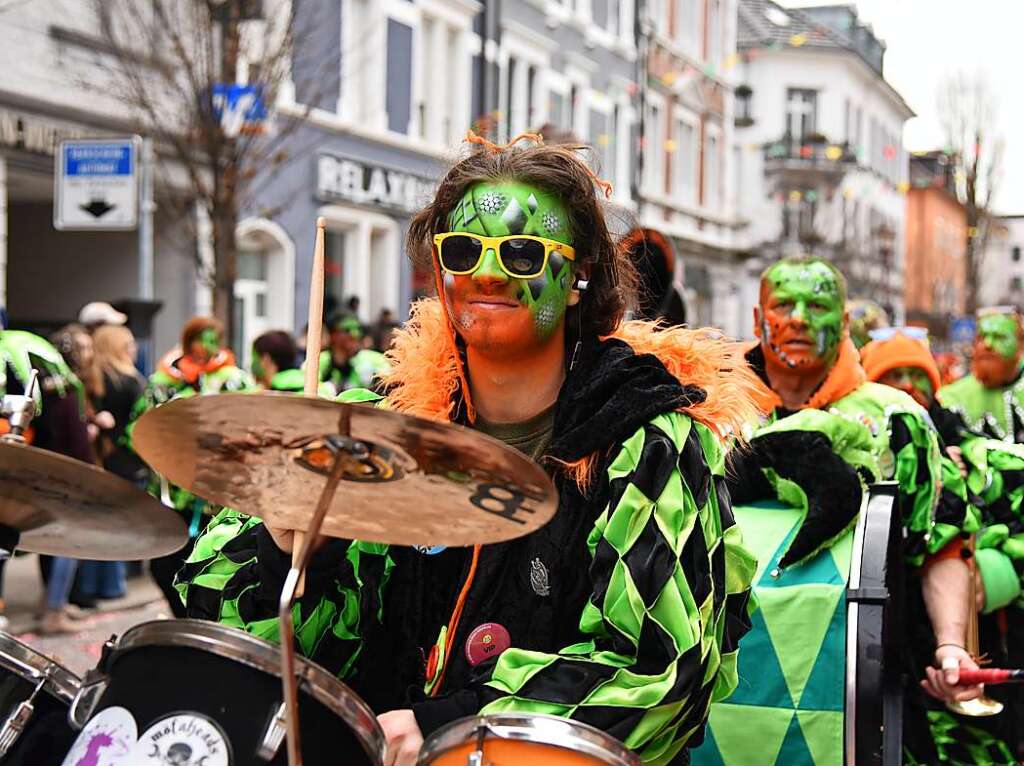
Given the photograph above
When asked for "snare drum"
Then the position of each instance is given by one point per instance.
(35, 694)
(518, 738)
(188, 691)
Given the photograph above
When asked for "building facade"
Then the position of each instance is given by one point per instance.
(1002, 267)
(821, 163)
(688, 186)
(52, 89)
(936, 230)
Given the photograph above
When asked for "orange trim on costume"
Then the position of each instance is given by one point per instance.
(453, 622)
(954, 549)
(845, 377)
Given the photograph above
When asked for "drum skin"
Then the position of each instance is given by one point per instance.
(154, 682)
(48, 736)
(506, 752)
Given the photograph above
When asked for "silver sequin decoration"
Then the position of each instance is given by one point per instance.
(491, 202)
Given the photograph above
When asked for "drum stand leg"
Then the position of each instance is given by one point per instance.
(289, 682)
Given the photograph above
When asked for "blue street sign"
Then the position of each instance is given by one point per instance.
(109, 159)
(239, 108)
(961, 330)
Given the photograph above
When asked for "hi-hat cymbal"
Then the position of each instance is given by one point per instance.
(418, 483)
(64, 507)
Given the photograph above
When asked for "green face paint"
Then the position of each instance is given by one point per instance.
(801, 314)
(999, 332)
(257, 365)
(209, 339)
(504, 208)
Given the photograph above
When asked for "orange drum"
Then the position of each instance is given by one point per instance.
(513, 739)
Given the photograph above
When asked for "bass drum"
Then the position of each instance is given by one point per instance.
(195, 692)
(35, 695)
(523, 738)
(875, 605)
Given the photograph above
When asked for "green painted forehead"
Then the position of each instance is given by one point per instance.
(998, 324)
(803, 280)
(502, 208)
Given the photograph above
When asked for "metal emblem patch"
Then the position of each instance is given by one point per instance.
(539, 578)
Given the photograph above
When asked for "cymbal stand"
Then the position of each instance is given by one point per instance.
(342, 446)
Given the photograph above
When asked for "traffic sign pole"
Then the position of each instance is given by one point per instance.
(146, 220)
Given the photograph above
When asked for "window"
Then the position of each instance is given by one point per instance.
(1015, 254)
(801, 112)
(684, 166)
(510, 80)
(1015, 284)
(714, 51)
(654, 151)
(688, 25)
(847, 122)
(712, 171)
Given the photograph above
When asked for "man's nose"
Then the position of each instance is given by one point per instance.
(489, 271)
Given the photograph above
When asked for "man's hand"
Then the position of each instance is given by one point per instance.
(941, 683)
(403, 736)
(957, 456)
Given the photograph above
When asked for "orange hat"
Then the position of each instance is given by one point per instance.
(880, 356)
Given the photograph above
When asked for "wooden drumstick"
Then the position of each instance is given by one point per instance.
(314, 331)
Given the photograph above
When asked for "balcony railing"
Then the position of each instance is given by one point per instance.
(812, 161)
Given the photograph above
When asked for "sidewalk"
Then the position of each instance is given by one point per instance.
(23, 590)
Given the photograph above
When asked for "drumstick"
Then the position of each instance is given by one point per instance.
(314, 330)
(990, 676)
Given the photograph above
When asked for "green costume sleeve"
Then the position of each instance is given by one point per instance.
(670, 600)
(235, 573)
(933, 497)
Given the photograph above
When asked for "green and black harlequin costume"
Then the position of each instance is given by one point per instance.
(797, 494)
(624, 612)
(994, 412)
(171, 380)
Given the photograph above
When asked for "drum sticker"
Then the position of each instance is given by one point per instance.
(107, 740)
(182, 739)
(429, 550)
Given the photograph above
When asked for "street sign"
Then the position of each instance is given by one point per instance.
(961, 330)
(96, 184)
(239, 108)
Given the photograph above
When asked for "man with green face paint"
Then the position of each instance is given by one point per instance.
(199, 366)
(991, 398)
(623, 612)
(797, 490)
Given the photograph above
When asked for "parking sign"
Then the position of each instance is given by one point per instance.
(96, 184)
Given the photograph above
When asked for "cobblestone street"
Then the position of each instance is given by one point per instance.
(77, 651)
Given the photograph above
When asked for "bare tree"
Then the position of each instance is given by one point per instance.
(171, 63)
(967, 109)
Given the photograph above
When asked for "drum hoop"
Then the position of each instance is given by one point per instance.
(524, 727)
(22, 659)
(244, 648)
(852, 624)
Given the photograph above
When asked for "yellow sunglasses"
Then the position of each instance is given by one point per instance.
(522, 256)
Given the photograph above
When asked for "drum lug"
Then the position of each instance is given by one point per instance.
(273, 736)
(18, 720)
(93, 685)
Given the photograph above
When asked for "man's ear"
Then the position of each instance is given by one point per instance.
(757, 322)
(846, 321)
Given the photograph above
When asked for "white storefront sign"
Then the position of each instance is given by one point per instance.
(96, 184)
(341, 178)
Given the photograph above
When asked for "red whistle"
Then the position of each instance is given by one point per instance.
(990, 676)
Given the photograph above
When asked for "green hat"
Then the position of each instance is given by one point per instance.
(347, 323)
(1002, 586)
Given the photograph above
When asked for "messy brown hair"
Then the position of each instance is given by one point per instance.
(559, 170)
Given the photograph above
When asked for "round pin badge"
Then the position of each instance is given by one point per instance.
(486, 642)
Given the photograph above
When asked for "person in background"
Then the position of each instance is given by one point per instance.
(300, 342)
(383, 330)
(97, 314)
(59, 426)
(275, 362)
(346, 364)
(865, 316)
(991, 398)
(199, 366)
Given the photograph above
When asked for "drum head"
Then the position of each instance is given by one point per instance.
(243, 648)
(543, 740)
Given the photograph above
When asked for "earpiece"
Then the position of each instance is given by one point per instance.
(582, 284)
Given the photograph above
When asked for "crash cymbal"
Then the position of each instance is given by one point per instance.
(417, 483)
(64, 507)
